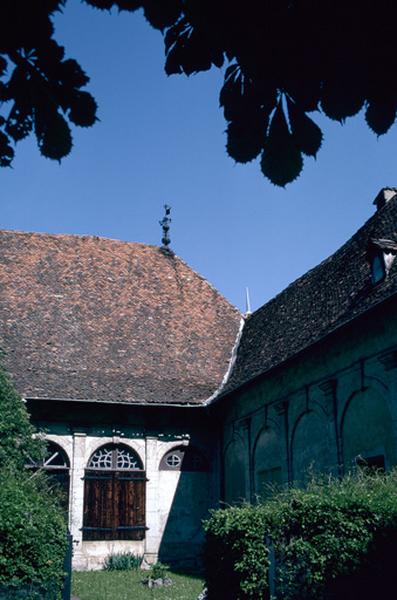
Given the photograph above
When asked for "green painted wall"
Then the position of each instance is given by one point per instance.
(328, 406)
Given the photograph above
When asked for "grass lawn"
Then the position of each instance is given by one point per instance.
(126, 585)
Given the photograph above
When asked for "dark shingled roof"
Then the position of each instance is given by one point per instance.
(97, 319)
(335, 292)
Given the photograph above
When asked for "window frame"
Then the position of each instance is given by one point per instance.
(114, 499)
(190, 459)
(378, 268)
(59, 473)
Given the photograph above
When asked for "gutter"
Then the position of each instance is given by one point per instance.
(112, 402)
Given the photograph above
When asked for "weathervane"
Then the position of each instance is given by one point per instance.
(165, 224)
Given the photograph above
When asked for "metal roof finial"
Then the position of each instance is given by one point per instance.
(165, 224)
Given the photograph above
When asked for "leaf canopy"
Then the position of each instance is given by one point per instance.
(332, 57)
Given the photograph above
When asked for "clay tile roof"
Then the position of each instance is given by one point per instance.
(98, 319)
(327, 297)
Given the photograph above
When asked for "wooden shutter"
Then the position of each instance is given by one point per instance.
(98, 502)
(129, 505)
(114, 505)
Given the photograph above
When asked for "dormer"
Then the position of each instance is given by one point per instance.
(381, 254)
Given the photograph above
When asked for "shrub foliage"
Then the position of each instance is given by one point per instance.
(32, 526)
(122, 561)
(17, 444)
(334, 539)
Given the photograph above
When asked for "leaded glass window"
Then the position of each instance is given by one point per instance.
(173, 460)
(115, 458)
(183, 458)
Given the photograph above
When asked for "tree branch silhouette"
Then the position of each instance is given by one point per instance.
(284, 60)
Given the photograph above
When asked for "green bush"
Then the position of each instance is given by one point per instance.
(29, 591)
(32, 525)
(32, 532)
(158, 570)
(17, 444)
(236, 557)
(122, 561)
(334, 539)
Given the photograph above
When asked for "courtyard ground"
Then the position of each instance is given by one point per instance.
(126, 585)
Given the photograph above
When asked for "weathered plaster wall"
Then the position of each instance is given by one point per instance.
(336, 401)
(176, 501)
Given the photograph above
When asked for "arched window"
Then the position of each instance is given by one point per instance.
(183, 458)
(114, 495)
(56, 463)
(116, 458)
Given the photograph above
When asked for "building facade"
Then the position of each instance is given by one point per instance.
(313, 386)
(158, 399)
(116, 347)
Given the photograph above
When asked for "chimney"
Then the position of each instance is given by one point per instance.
(385, 194)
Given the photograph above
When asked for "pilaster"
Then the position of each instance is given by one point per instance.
(153, 535)
(77, 491)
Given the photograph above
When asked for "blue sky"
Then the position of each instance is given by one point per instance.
(161, 140)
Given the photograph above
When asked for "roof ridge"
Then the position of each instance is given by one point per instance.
(338, 251)
(81, 236)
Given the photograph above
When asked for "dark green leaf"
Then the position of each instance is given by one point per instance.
(162, 14)
(101, 4)
(3, 65)
(281, 160)
(175, 32)
(53, 134)
(341, 99)
(231, 89)
(380, 116)
(173, 61)
(6, 151)
(4, 94)
(20, 121)
(53, 5)
(245, 140)
(18, 82)
(306, 133)
(130, 5)
(217, 58)
(190, 53)
(49, 56)
(71, 74)
(83, 109)
(238, 96)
